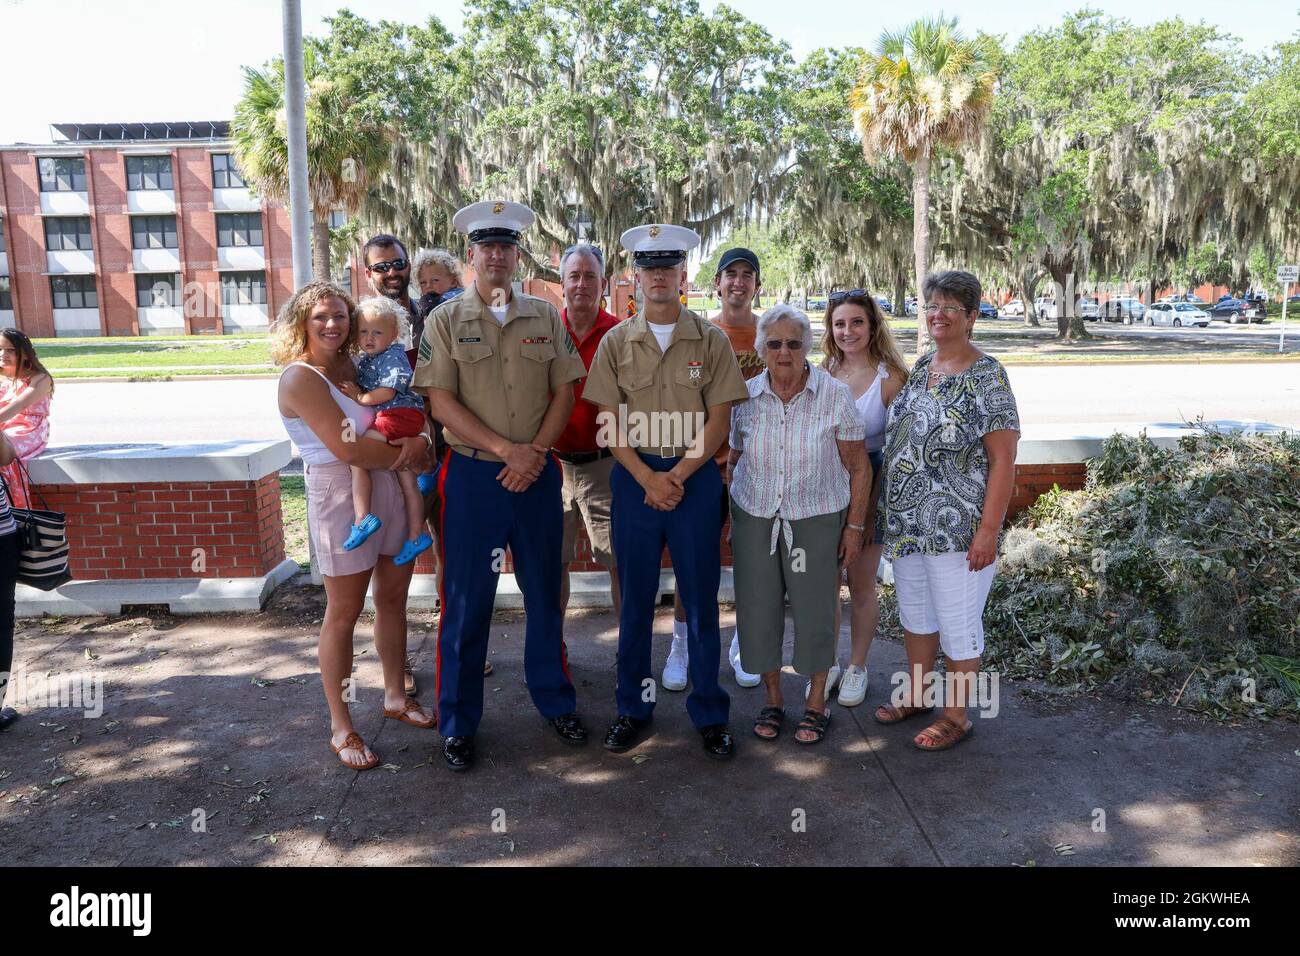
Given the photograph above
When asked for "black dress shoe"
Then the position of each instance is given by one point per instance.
(7, 717)
(625, 733)
(570, 728)
(458, 752)
(717, 742)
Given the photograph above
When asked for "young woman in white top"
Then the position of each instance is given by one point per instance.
(860, 352)
(315, 338)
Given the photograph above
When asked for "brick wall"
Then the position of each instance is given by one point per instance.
(111, 227)
(197, 237)
(151, 530)
(33, 306)
(1033, 480)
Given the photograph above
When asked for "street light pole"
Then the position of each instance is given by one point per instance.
(295, 96)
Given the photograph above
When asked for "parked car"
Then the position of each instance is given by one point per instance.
(1177, 314)
(886, 306)
(909, 305)
(1236, 310)
(1045, 306)
(1123, 308)
(816, 304)
(1014, 307)
(1189, 299)
(988, 310)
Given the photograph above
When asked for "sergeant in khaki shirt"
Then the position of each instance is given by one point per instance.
(498, 369)
(665, 381)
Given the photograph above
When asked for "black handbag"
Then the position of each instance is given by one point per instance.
(42, 541)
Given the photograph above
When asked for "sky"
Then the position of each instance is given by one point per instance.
(87, 61)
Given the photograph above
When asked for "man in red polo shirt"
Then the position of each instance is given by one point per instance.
(585, 465)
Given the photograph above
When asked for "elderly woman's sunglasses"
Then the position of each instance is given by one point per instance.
(383, 267)
(794, 345)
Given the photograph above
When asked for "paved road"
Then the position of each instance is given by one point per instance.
(93, 412)
(1217, 334)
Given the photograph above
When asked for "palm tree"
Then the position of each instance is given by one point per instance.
(926, 87)
(346, 148)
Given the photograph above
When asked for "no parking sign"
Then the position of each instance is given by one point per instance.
(1285, 276)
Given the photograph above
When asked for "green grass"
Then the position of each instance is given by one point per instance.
(293, 508)
(172, 354)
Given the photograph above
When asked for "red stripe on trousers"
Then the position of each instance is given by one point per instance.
(442, 601)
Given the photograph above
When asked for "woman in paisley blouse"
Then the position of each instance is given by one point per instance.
(950, 454)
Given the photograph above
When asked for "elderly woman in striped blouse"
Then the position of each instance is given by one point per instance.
(799, 489)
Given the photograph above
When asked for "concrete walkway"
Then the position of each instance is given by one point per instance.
(225, 715)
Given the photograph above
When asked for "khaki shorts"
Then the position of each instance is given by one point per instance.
(586, 496)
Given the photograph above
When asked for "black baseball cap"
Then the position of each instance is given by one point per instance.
(739, 254)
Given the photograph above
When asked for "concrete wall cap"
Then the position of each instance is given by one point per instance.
(155, 463)
(1063, 444)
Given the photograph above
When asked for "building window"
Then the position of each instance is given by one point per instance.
(239, 229)
(74, 292)
(148, 172)
(2, 236)
(225, 174)
(157, 290)
(153, 232)
(62, 175)
(67, 233)
(6, 297)
(243, 288)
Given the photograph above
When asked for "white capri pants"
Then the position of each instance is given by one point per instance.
(938, 592)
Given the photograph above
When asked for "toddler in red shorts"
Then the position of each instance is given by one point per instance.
(384, 383)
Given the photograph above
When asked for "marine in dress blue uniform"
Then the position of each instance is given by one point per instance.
(673, 399)
(498, 367)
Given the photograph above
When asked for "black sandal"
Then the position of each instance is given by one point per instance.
(815, 722)
(771, 717)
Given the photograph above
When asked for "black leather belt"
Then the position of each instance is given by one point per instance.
(583, 457)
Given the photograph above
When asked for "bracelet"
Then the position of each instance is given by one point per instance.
(858, 527)
(428, 440)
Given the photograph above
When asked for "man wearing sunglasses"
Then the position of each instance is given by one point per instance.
(388, 269)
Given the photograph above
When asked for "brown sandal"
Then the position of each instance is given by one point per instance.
(411, 706)
(354, 742)
(895, 714)
(945, 733)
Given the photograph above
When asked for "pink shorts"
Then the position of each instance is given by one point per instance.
(329, 518)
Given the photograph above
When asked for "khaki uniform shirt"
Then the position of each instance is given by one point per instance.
(504, 374)
(697, 371)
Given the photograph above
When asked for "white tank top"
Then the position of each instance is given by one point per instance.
(311, 448)
(873, 410)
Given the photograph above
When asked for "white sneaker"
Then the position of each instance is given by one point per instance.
(743, 677)
(853, 688)
(832, 678)
(675, 668)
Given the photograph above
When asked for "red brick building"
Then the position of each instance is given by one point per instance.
(137, 229)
